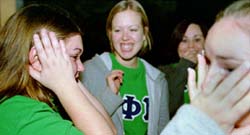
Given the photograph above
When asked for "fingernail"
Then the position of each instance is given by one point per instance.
(199, 56)
(189, 69)
(35, 36)
(203, 52)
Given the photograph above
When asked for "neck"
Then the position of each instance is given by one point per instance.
(131, 63)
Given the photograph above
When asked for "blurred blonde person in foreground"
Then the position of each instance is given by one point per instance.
(220, 99)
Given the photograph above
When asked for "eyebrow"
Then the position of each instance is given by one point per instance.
(225, 58)
(200, 35)
(133, 25)
(197, 35)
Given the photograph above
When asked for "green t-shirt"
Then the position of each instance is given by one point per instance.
(20, 115)
(186, 96)
(135, 96)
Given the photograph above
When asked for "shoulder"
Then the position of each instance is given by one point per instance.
(22, 102)
(168, 68)
(99, 61)
(19, 110)
(185, 63)
(96, 69)
(23, 115)
(22, 107)
(152, 71)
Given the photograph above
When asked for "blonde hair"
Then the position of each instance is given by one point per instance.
(239, 11)
(16, 42)
(240, 8)
(137, 7)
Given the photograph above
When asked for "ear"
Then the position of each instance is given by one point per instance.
(34, 60)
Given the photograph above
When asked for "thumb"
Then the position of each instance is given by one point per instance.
(191, 84)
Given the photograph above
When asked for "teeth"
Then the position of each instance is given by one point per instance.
(126, 46)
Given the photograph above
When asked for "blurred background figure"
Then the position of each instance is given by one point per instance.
(187, 40)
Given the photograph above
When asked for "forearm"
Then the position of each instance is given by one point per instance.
(97, 105)
(83, 114)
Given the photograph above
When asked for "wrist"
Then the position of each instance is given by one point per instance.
(65, 88)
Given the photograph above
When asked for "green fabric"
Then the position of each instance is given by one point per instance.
(134, 93)
(176, 75)
(186, 97)
(20, 115)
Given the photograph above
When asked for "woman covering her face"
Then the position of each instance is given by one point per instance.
(40, 61)
(220, 89)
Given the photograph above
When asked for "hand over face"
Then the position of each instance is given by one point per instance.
(191, 55)
(223, 96)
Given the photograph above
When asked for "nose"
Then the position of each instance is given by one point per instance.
(125, 35)
(80, 66)
(191, 44)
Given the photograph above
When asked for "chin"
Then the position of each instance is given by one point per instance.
(128, 56)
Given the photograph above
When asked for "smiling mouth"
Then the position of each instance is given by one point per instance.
(126, 47)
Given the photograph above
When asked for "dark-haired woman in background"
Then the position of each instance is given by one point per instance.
(187, 40)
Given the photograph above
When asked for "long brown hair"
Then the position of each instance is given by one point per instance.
(16, 42)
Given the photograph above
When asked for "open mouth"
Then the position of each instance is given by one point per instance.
(126, 47)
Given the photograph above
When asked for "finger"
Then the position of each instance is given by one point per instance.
(233, 78)
(117, 83)
(191, 84)
(46, 43)
(117, 71)
(34, 73)
(202, 52)
(214, 77)
(119, 74)
(238, 91)
(115, 76)
(241, 131)
(40, 50)
(55, 43)
(202, 70)
(63, 50)
(112, 84)
(241, 108)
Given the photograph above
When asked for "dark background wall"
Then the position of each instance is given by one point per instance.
(163, 16)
